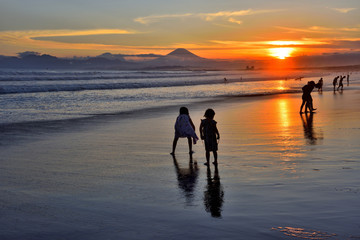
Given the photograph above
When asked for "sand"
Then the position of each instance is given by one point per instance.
(281, 175)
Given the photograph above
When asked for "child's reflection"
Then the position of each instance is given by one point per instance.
(187, 178)
(214, 194)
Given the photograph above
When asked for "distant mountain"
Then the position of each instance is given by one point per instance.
(37, 61)
(111, 56)
(184, 54)
(179, 58)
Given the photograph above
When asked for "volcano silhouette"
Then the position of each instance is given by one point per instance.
(183, 53)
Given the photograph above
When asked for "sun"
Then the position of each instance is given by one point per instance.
(281, 53)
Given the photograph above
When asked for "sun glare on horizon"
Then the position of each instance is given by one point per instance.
(281, 53)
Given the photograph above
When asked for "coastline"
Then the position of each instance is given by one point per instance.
(112, 177)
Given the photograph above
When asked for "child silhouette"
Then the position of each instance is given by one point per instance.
(210, 134)
(184, 127)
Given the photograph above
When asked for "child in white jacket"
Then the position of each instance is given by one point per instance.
(184, 127)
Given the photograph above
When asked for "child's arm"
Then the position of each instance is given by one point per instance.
(217, 132)
(201, 131)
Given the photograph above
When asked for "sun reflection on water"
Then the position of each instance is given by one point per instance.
(267, 134)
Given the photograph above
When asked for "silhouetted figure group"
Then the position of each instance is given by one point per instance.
(341, 79)
(307, 100)
(184, 127)
(187, 177)
(341, 85)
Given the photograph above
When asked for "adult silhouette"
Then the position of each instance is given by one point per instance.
(341, 83)
(320, 84)
(335, 82)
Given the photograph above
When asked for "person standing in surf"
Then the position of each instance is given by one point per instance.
(335, 82)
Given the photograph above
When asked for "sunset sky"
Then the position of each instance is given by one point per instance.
(208, 28)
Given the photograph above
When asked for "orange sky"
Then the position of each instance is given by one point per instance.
(250, 29)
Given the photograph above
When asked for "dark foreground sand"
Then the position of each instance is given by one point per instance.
(279, 175)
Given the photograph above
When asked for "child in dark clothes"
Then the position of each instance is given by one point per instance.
(210, 134)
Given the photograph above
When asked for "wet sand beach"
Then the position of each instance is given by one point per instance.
(281, 175)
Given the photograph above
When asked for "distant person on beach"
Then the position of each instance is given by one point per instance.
(320, 84)
(341, 83)
(335, 82)
(184, 127)
(210, 134)
(348, 79)
(306, 97)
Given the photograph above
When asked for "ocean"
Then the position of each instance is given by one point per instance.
(45, 95)
(75, 165)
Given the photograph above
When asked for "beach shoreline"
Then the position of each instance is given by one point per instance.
(112, 177)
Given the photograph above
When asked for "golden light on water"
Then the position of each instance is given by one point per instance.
(281, 86)
(282, 52)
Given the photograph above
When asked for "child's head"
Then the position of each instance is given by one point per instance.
(184, 110)
(209, 113)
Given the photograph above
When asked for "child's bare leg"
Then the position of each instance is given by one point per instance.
(215, 157)
(207, 154)
(174, 145)
(190, 145)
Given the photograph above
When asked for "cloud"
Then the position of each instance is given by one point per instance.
(343, 10)
(351, 43)
(212, 16)
(233, 20)
(304, 42)
(228, 15)
(350, 29)
(318, 29)
(32, 34)
(156, 18)
(32, 38)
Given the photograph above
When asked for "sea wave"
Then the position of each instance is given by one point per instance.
(6, 76)
(11, 89)
(36, 82)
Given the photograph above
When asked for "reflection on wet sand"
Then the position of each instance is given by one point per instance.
(214, 194)
(187, 179)
(309, 133)
(302, 233)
